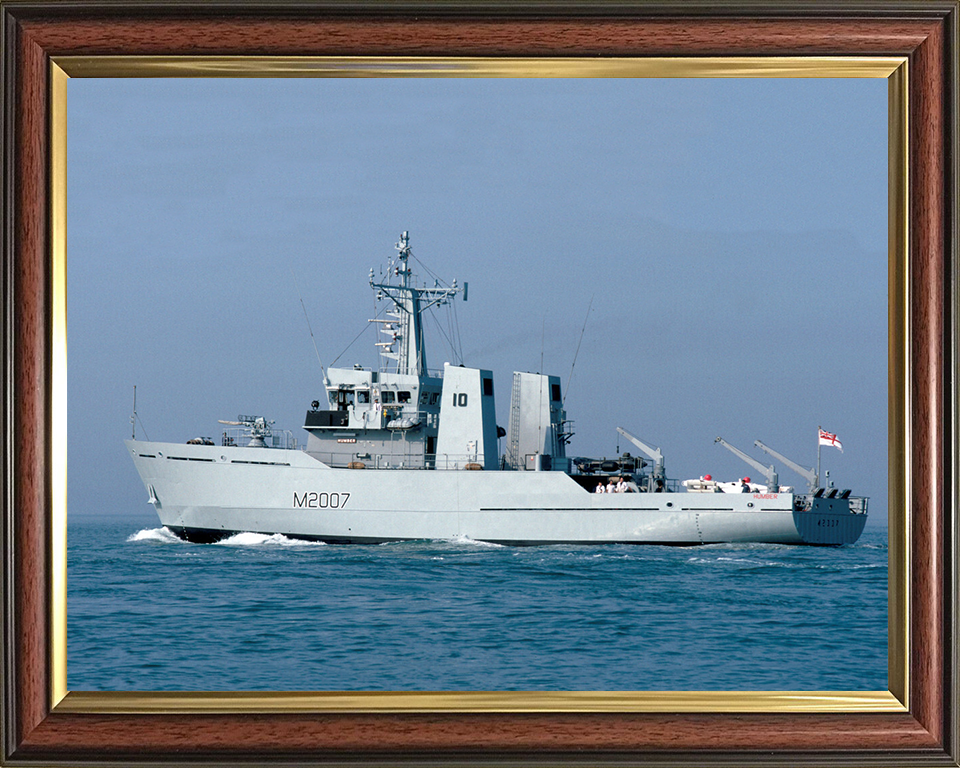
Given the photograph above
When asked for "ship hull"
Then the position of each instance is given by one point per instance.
(207, 493)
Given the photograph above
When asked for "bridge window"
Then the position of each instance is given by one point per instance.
(403, 397)
(387, 396)
(488, 387)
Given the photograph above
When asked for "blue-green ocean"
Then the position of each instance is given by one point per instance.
(147, 611)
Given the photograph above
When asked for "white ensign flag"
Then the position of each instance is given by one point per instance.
(827, 438)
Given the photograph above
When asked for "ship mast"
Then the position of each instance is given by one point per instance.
(404, 326)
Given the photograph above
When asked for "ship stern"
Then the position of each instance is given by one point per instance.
(830, 521)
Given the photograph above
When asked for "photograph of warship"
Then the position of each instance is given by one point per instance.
(407, 452)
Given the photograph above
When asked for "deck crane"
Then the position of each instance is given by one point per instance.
(773, 482)
(807, 474)
(654, 453)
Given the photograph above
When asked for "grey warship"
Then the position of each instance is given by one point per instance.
(407, 452)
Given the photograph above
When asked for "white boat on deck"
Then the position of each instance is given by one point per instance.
(406, 452)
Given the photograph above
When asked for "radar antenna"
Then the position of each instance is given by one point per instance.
(402, 325)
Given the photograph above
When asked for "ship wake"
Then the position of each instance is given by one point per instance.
(249, 539)
(161, 535)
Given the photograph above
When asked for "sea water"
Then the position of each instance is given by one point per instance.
(147, 611)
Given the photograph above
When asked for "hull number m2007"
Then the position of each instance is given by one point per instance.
(311, 500)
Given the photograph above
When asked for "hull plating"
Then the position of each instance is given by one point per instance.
(204, 493)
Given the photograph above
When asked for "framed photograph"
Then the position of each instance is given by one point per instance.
(46, 46)
(513, 185)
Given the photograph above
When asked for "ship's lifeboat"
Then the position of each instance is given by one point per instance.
(705, 484)
(404, 423)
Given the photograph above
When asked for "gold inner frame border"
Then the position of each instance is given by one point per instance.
(894, 69)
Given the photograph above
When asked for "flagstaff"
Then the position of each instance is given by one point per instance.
(826, 438)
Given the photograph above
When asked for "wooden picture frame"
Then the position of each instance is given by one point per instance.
(916, 722)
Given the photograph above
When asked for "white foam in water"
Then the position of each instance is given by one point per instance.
(473, 542)
(154, 534)
(758, 563)
(248, 539)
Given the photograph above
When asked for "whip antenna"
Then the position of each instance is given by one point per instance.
(563, 402)
(543, 338)
(312, 337)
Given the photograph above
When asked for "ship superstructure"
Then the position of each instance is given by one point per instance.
(410, 452)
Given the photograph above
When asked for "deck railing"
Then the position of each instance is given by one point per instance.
(278, 438)
(858, 504)
(398, 460)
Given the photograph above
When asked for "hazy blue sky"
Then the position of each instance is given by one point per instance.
(732, 234)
